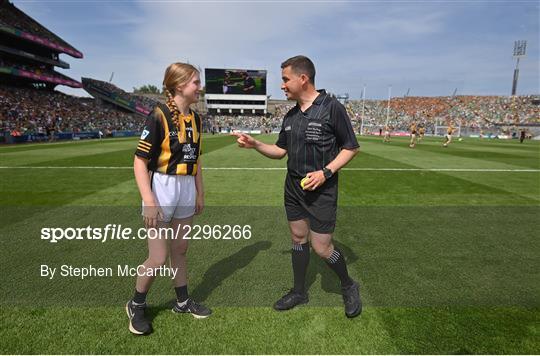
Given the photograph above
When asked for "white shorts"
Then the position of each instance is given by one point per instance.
(448, 137)
(175, 194)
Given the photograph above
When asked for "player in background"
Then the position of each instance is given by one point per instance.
(386, 133)
(421, 133)
(413, 130)
(448, 137)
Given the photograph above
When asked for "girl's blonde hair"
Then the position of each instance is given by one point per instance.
(176, 74)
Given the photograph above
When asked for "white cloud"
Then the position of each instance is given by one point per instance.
(427, 47)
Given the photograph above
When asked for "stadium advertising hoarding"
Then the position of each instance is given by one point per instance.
(235, 81)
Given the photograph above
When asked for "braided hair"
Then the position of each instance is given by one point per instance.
(173, 108)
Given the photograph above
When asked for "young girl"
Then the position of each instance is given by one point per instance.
(168, 173)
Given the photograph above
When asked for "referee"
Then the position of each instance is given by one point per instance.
(318, 139)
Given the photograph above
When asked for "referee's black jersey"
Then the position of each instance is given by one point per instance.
(169, 149)
(314, 138)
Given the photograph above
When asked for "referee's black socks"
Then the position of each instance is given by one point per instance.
(300, 262)
(337, 263)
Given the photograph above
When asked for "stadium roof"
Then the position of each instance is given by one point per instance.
(53, 41)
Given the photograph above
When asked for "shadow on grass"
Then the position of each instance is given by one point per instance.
(226, 267)
(217, 273)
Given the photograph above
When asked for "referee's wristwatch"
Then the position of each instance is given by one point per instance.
(327, 173)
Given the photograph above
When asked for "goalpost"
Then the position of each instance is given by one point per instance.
(441, 130)
(366, 129)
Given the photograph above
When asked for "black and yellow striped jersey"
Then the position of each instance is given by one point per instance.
(170, 149)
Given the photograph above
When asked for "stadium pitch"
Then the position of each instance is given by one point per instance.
(444, 242)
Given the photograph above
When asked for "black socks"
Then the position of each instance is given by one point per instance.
(139, 298)
(300, 262)
(181, 293)
(337, 263)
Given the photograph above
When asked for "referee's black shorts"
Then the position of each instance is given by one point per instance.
(318, 206)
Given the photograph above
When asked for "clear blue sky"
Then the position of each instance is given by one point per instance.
(431, 47)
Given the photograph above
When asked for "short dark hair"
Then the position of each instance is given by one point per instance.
(301, 65)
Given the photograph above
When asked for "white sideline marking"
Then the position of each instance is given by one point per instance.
(283, 168)
(45, 144)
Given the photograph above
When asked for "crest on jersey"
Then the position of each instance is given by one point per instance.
(144, 134)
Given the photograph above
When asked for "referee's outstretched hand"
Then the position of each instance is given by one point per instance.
(244, 140)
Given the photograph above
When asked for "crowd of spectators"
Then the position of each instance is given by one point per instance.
(228, 123)
(473, 112)
(469, 111)
(32, 111)
(264, 123)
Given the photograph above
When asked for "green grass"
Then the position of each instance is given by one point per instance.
(448, 260)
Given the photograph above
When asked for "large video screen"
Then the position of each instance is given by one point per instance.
(235, 81)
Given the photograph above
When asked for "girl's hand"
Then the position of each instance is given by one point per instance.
(151, 214)
(199, 204)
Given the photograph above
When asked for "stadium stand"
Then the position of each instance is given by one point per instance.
(29, 52)
(111, 93)
(30, 108)
(492, 113)
(35, 113)
(473, 112)
(18, 24)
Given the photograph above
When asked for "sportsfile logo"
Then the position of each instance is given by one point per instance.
(119, 232)
(109, 232)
